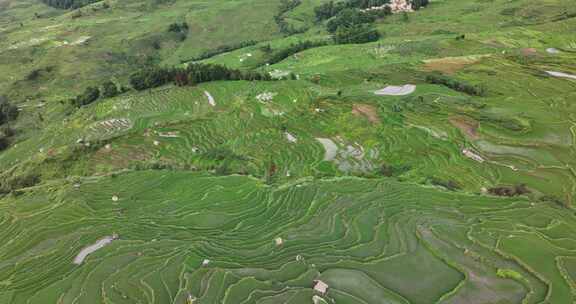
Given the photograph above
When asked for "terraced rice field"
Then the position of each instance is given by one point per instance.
(370, 241)
(362, 173)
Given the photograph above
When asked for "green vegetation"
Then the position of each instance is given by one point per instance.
(147, 154)
(333, 8)
(8, 111)
(180, 29)
(456, 85)
(90, 95)
(283, 25)
(222, 49)
(68, 4)
(190, 75)
(292, 49)
(355, 34)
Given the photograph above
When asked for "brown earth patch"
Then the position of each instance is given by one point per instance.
(450, 65)
(529, 52)
(368, 111)
(467, 125)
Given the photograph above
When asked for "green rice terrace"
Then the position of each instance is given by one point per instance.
(287, 151)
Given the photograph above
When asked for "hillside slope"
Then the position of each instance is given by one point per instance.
(435, 164)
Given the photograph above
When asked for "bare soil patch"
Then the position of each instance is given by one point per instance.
(467, 125)
(451, 65)
(368, 111)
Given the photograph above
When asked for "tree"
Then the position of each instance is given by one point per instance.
(109, 89)
(348, 18)
(417, 4)
(332, 8)
(293, 49)
(178, 27)
(192, 74)
(8, 111)
(5, 134)
(90, 95)
(359, 33)
(4, 142)
(266, 48)
(68, 4)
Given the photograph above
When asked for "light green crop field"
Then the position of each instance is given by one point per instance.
(252, 191)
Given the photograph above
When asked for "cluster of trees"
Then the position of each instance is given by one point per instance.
(68, 4)
(5, 134)
(352, 25)
(360, 33)
(192, 74)
(515, 190)
(348, 23)
(389, 170)
(106, 90)
(349, 17)
(417, 4)
(293, 49)
(221, 50)
(446, 184)
(457, 85)
(332, 8)
(151, 77)
(180, 29)
(12, 184)
(285, 27)
(8, 113)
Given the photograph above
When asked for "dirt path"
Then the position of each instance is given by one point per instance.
(397, 90)
(211, 100)
(93, 248)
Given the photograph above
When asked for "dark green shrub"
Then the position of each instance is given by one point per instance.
(90, 95)
(457, 85)
(8, 111)
(109, 89)
(359, 33)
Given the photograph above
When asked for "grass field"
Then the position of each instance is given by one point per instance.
(250, 191)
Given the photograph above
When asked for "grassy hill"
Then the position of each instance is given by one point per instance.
(461, 190)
